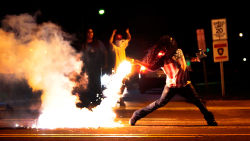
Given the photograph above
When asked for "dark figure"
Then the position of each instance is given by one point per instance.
(94, 60)
(170, 58)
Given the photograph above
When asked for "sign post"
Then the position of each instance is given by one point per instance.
(202, 48)
(220, 46)
(201, 39)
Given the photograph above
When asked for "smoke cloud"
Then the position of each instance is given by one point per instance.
(41, 55)
(38, 53)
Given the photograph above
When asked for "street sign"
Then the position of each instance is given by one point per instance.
(220, 51)
(220, 46)
(201, 40)
(219, 29)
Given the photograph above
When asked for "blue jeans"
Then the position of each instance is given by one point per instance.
(187, 92)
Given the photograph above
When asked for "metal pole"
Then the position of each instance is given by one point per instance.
(205, 72)
(222, 79)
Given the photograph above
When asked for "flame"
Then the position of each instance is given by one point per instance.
(143, 69)
(59, 110)
(161, 53)
(40, 54)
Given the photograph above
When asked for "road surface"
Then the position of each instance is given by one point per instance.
(178, 120)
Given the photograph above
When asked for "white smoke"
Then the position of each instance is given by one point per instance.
(38, 53)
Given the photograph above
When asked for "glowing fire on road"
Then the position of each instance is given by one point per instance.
(40, 54)
(59, 110)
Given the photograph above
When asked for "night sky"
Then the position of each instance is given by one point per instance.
(147, 22)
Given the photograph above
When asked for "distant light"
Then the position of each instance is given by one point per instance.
(244, 59)
(17, 125)
(188, 63)
(101, 11)
(241, 34)
(208, 49)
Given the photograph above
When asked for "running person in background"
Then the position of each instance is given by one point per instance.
(166, 55)
(119, 46)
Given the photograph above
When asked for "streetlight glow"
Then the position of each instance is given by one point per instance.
(241, 34)
(101, 11)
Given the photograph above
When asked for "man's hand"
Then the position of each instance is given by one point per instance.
(112, 37)
(128, 34)
(127, 30)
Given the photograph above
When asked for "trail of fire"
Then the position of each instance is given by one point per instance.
(40, 54)
(59, 110)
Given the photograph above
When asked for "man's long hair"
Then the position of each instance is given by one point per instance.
(167, 46)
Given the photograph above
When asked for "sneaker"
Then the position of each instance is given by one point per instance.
(132, 122)
(212, 123)
(210, 119)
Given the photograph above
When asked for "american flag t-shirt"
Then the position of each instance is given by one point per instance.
(175, 69)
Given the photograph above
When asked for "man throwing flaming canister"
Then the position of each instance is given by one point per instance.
(165, 54)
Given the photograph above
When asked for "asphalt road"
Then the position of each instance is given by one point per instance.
(178, 120)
